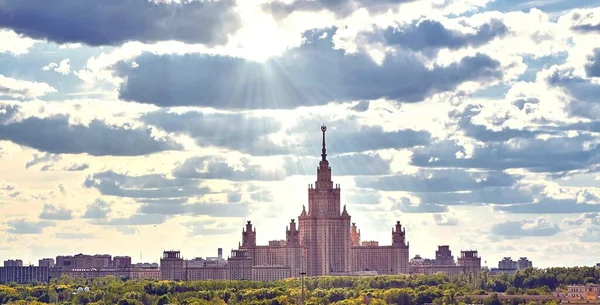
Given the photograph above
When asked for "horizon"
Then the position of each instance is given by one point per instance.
(167, 124)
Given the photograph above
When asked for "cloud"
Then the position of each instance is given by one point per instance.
(208, 227)
(133, 220)
(73, 235)
(22, 226)
(592, 68)
(51, 212)
(14, 43)
(361, 196)
(427, 35)
(313, 74)
(54, 134)
(539, 227)
(50, 160)
(211, 209)
(427, 181)
(406, 206)
(493, 195)
(110, 183)
(250, 133)
(63, 67)
(217, 168)
(550, 206)
(554, 154)
(114, 22)
(364, 164)
(445, 220)
(21, 89)
(99, 209)
(341, 8)
(592, 218)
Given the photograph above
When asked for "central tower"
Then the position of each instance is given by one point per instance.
(324, 229)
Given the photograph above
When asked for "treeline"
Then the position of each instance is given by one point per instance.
(397, 289)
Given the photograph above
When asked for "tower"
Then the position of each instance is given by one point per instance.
(292, 237)
(325, 229)
(355, 235)
(249, 241)
(399, 250)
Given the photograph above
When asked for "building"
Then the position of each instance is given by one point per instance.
(240, 265)
(508, 265)
(270, 273)
(83, 261)
(580, 294)
(468, 262)
(121, 262)
(23, 274)
(46, 262)
(13, 263)
(172, 266)
(324, 243)
(370, 256)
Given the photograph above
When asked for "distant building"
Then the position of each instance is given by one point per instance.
(270, 273)
(13, 263)
(172, 266)
(468, 262)
(23, 274)
(508, 265)
(46, 262)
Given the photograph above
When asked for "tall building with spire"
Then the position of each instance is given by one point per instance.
(325, 228)
(324, 242)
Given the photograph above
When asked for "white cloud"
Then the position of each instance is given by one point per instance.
(16, 88)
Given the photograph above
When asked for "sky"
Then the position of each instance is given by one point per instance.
(130, 127)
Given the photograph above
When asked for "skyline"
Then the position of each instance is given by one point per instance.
(168, 126)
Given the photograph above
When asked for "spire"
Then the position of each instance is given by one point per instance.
(324, 150)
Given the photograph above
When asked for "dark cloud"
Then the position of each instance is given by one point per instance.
(341, 8)
(56, 135)
(22, 226)
(50, 212)
(50, 160)
(429, 36)
(405, 206)
(583, 93)
(99, 209)
(550, 206)
(525, 228)
(200, 208)
(114, 22)
(482, 133)
(492, 195)
(237, 131)
(146, 186)
(555, 154)
(592, 68)
(134, 220)
(218, 168)
(313, 74)
(234, 197)
(341, 165)
(249, 133)
(429, 181)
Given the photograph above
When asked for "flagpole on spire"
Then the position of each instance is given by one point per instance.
(324, 150)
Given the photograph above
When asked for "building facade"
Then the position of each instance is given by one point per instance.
(468, 262)
(323, 242)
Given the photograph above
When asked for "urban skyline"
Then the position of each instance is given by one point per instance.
(168, 125)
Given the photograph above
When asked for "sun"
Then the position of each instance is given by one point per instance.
(260, 37)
